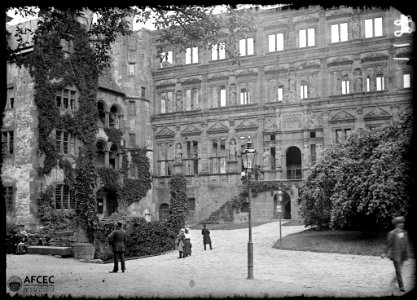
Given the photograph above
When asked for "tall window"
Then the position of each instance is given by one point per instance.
(345, 86)
(131, 69)
(65, 142)
(306, 37)
(380, 83)
(276, 42)
(191, 55)
(368, 83)
(222, 96)
(218, 51)
(66, 99)
(10, 97)
(191, 99)
(373, 27)
(132, 108)
(191, 158)
(303, 90)
(339, 32)
(7, 140)
(280, 93)
(246, 46)
(218, 155)
(8, 197)
(342, 134)
(132, 139)
(143, 92)
(64, 197)
(406, 81)
(166, 59)
(244, 96)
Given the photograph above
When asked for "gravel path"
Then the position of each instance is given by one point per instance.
(222, 271)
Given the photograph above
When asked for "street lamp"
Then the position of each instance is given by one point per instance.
(279, 211)
(248, 158)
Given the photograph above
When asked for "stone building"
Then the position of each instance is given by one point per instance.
(307, 78)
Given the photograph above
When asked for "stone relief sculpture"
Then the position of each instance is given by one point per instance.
(272, 90)
(356, 27)
(265, 157)
(163, 103)
(278, 157)
(232, 90)
(178, 153)
(291, 96)
(313, 120)
(357, 80)
(232, 150)
(178, 96)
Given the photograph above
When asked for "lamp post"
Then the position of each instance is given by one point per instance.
(279, 211)
(248, 158)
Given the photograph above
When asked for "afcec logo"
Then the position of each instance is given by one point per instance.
(14, 283)
(32, 284)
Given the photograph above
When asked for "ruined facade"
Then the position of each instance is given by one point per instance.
(307, 79)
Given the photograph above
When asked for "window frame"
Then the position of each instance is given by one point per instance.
(71, 102)
(244, 96)
(166, 57)
(191, 55)
(61, 144)
(9, 196)
(7, 145)
(406, 80)
(247, 43)
(306, 37)
(66, 194)
(276, 43)
(339, 31)
(371, 30)
(217, 51)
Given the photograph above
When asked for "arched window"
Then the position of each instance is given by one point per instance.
(114, 117)
(101, 112)
(101, 157)
(114, 157)
(163, 211)
(293, 163)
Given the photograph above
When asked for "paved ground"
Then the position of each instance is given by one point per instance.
(222, 271)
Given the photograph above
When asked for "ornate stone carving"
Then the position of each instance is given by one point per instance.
(342, 116)
(191, 79)
(218, 127)
(291, 122)
(224, 74)
(271, 123)
(246, 125)
(340, 60)
(165, 133)
(357, 80)
(190, 130)
(314, 120)
(373, 55)
(377, 114)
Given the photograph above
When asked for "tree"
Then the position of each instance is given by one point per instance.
(364, 181)
(183, 26)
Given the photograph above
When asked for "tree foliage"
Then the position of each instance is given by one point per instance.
(362, 182)
(183, 26)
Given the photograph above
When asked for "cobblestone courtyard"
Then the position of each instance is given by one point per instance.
(222, 272)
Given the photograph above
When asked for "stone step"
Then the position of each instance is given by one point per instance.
(50, 250)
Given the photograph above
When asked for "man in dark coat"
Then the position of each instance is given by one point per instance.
(206, 237)
(117, 240)
(396, 248)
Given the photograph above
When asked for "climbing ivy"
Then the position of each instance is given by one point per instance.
(179, 206)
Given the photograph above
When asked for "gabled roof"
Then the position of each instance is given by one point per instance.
(31, 24)
(106, 81)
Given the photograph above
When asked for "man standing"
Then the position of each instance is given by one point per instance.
(206, 237)
(396, 248)
(117, 240)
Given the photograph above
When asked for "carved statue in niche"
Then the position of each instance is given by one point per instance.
(178, 96)
(312, 85)
(163, 103)
(232, 150)
(266, 160)
(178, 153)
(337, 86)
(356, 27)
(232, 90)
(291, 97)
(278, 157)
(357, 80)
(272, 90)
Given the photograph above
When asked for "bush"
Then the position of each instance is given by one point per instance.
(144, 238)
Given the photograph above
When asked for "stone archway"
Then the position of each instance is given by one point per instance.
(294, 167)
(111, 203)
(163, 211)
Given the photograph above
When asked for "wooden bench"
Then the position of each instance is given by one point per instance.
(50, 250)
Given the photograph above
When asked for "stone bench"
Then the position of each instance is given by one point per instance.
(50, 250)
